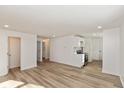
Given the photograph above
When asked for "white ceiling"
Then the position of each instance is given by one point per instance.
(60, 20)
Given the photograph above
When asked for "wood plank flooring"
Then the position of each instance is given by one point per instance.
(55, 75)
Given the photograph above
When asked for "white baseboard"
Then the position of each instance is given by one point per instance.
(122, 80)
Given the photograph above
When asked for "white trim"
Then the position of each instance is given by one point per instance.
(122, 80)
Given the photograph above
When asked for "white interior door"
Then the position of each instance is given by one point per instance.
(14, 52)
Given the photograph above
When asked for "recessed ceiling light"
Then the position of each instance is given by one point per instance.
(53, 35)
(99, 27)
(6, 26)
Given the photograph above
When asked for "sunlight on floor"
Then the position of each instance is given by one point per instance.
(32, 86)
(18, 84)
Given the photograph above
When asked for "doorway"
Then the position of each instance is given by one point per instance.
(38, 51)
(98, 50)
(45, 50)
(14, 52)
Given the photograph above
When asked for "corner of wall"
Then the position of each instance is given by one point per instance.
(29, 67)
(122, 80)
(4, 73)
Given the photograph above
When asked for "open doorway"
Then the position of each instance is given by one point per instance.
(97, 49)
(94, 48)
(14, 52)
(39, 51)
(45, 50)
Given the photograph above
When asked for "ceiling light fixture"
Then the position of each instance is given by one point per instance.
(6, 26)
(99, 27)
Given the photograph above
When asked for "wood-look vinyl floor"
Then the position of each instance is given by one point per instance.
(55, 75)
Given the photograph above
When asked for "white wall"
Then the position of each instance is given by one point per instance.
(97, 48)
(122, 52)
(111, 51)
(28, 50)
(3, 54)
(62, 50)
